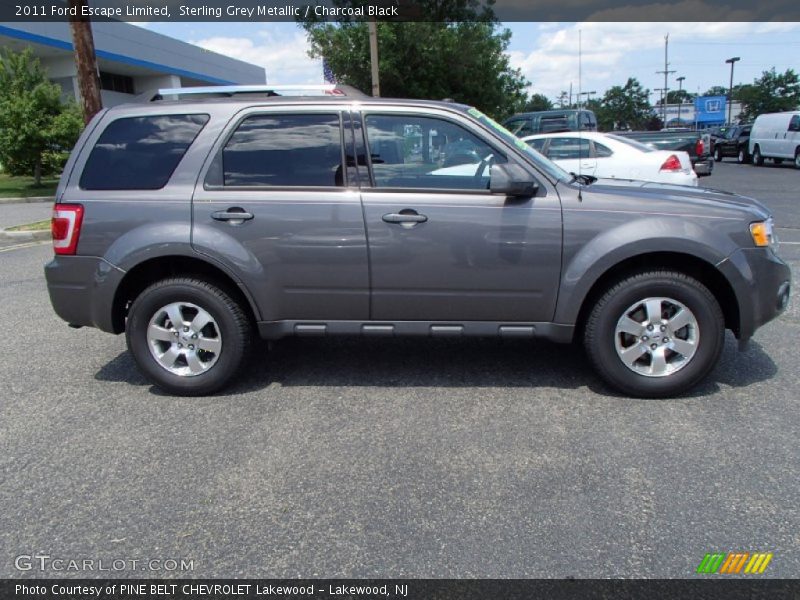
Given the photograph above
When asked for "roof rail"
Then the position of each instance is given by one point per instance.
(229, 91)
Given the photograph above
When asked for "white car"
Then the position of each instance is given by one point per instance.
(607, 156)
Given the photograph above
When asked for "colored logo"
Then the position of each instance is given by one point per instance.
(735, 563)
(713, 105)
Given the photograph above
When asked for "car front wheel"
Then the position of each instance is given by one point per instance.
(188, 336)
(655, 334)
(718, 155)
(742, 156)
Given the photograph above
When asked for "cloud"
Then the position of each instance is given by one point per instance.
(608, 49)
(284, 56)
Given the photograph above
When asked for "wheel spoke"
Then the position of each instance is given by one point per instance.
(682, 347)
(201, 319)
(195, 366)
(170, 356)
(175, 315)
(628, 325)
(659, 362)
(161, 334)
(630, 355)
(209, 344)
(653, 309)
(680, 320)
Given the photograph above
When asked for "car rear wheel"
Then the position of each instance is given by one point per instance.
(188, 336)
(655, 334)
(742, 157)
(758, 160)
(797, 159)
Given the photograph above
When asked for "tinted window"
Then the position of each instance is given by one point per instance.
(521, 127)
(537, 144)
(140, 153)
(568, 148)
(422, 152)
(601, 151)
(794, 124)
(553, 124)
(285, 150)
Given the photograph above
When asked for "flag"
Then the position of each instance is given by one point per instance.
(327, 73)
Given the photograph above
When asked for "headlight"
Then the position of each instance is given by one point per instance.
(763, 234)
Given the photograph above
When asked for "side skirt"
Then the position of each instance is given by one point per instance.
(272, 330)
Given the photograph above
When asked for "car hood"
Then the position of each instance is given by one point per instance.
(682, 197)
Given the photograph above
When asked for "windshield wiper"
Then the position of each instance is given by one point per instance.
(583, 179)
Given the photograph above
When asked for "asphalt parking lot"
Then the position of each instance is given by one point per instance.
(354, 458)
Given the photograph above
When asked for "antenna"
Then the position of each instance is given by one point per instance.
(580, 136)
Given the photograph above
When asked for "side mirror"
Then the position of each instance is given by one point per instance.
(512, 180)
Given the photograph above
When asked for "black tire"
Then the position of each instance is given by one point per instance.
(797, 159)
(718, 154)
(743, 157)
(235, 331)
(758, 159)
(600, 331)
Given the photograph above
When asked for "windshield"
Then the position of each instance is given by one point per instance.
(545, 164)
(632, 143)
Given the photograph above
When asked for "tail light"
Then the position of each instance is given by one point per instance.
(66, 227)
(673, 163)
(699, 147)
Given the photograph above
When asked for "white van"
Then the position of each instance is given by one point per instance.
(776, 136)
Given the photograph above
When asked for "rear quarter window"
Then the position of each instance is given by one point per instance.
(140, 153)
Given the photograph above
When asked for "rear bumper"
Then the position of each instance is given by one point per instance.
(82, 290)
(762, 283)
(703, 167)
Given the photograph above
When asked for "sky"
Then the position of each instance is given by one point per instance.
(548, 53)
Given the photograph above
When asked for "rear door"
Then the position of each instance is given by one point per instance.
(573, 154)
(277, 206)
(442, 247)
(792, 137)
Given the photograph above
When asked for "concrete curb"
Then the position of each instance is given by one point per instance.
(31, 200)
(24, 236)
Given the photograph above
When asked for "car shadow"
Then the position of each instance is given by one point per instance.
(418, 362)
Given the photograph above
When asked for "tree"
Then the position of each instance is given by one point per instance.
(35, 125)
(455, 50)
(677, 97)
(772, 92)
(625, 107)
(716, 90)
(537, 102)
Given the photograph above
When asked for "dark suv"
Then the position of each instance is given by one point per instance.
(193, 225)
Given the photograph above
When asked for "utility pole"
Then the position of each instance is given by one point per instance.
(680, 81)
(666, 73)
(85, 61)
(732, 61)
(373, 56)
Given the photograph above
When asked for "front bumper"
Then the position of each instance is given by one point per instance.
(82, 290)
(762, 284)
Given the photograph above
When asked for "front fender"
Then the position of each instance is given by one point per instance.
(585, 263)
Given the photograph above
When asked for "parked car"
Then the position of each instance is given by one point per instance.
(734, 143)
(776, 136)
(696, 144)
(551, 121)
(195, 226)
(607, 156)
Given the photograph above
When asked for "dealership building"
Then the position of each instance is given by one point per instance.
(131, 59)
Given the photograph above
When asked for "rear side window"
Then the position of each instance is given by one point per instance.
(140, 153)
(285, 150)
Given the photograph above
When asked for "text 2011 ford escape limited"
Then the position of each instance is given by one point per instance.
(193, 225)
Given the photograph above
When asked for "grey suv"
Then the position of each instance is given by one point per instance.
(193, 224)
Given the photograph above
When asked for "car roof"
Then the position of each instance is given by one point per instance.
(576, 134)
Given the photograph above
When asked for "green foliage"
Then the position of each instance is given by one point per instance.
(716, 90)
(458, 53)
(772, 92)
(678, 97)
(36, 127)
(624, 107)
(537, 102)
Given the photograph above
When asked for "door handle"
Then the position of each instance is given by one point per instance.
(410, 217)
(232, 214)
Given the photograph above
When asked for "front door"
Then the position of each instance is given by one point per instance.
(442, 247)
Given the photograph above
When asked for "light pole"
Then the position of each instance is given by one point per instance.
(661, 95)
(587, 94)
(680, 81)
(732, 61)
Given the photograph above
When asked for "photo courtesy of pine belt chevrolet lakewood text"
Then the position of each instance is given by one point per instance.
(199, 220)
